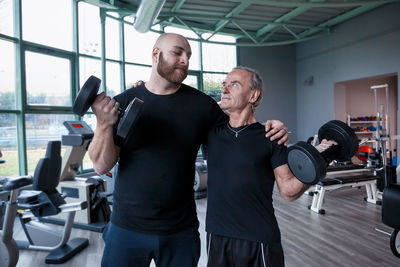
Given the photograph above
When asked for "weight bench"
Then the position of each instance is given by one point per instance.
(345, 168)
(332, 183)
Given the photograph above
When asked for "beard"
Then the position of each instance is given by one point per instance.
(173, 73)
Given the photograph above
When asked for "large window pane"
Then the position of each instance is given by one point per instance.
(191, 80)
(218, 57)
(88, 67)
(48, 80)
(8, 145)
(40, 129)
(212, 84)
(112, 39)
(6, 17)
(135, 73)
(7, 75)
(48, 22)
(89, 29)
(138, 46)
(113, 79)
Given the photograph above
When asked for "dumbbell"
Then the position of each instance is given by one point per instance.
(309, 165)
(88, 94)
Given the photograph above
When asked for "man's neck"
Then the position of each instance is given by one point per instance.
(160, 86)
(242, 117)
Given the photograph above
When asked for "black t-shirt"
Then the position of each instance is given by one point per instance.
(240, 183)
(154, 187)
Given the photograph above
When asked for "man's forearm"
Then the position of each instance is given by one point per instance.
(102, 150)
(289, 186)
(295, 189)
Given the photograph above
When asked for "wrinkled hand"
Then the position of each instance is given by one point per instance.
(325, 144)
(277, 130)
(136, 84)
(106, 110)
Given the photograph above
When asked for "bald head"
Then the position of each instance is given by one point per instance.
(166, 40)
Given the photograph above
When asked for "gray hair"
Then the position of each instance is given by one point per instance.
(256, 83)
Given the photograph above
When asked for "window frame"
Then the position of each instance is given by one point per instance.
(22, 46)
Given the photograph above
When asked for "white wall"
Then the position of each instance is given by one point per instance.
(277, 66)
(368, 45)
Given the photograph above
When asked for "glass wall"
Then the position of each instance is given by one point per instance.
(46, 60)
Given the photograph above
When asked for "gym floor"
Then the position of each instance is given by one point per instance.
(344, 236)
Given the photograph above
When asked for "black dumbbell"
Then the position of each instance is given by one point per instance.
(308, 165)
(88, 94)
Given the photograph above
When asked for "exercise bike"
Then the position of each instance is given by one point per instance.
(43, 200)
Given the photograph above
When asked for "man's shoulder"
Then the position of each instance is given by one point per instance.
(197, 97)
(191, 90)
(129, 93)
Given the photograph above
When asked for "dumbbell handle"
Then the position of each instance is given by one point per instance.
(327, 153)
(121, 111)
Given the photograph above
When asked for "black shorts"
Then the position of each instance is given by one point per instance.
(231, 252)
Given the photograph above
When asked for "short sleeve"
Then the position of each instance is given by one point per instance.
(279, 155)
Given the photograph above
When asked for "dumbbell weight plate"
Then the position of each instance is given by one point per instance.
(86, 95)
(306, 163)
(129, 118)
(345, 137)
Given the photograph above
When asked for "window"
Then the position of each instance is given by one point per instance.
(48, 80)
(218, 57)
(8, 145)
(89, 29)
(88, 67)
(138, 46)
(112, 39)
(212, 84)
(48, 22)
(7, 75)
(40, 129)
(46, 74)
(113, 79)
(6, 17)
(191, 80)
(135, 73)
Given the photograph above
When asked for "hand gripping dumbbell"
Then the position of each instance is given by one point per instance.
(309, 165)
(88, 94)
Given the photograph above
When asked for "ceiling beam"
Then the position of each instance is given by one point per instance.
(336, 20)
(178, 5)
(288, 16)
(240, 20)
(311, 4)
(245, 32)
(234, 12)
(200, 27)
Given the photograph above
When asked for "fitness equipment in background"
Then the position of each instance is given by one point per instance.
(87, 96)
(308, 165)
(43, 200)
(91, 188)
(201, 174)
